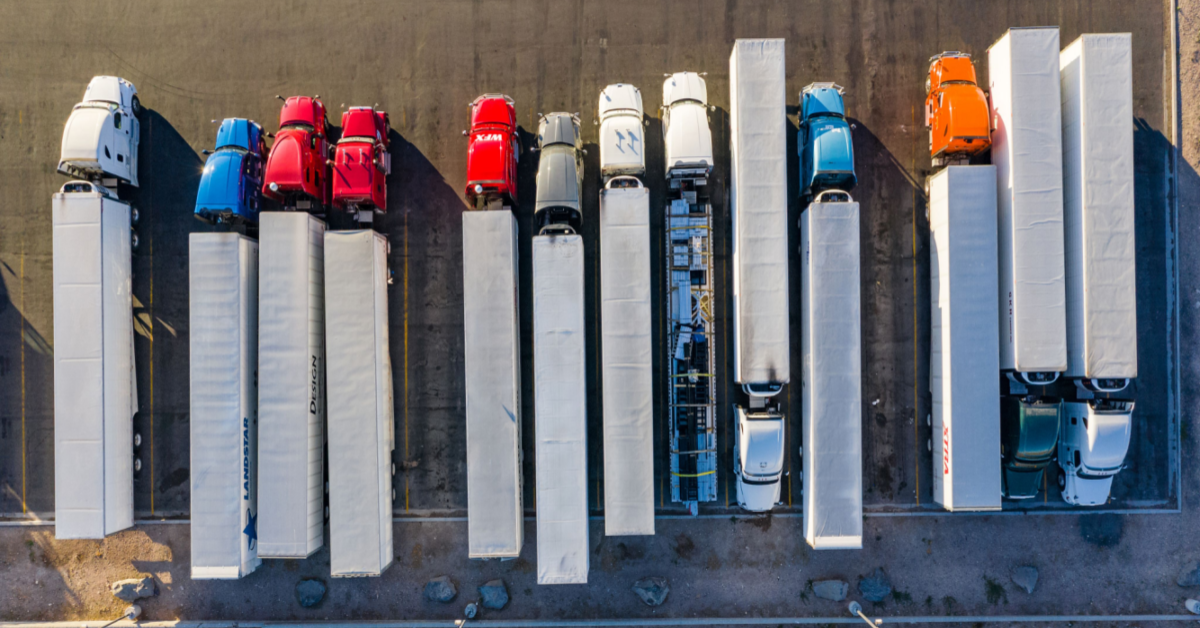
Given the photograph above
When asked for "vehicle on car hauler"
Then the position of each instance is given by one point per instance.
(758, 202)
(831, 396)
(362, 163)
(627, 357)
(223, 358)
(231, 182)
(95, 388)
(964, 352)
(291, 385)
(493, 150)
(1027, 153)
(826, 149)
(560, 409)
(100, 139)
(956, 109)
(492, 364)
(298, 170)
(560, 175)
(622, 132)
(361, 415)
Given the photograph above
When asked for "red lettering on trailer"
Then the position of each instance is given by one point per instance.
(945, 450)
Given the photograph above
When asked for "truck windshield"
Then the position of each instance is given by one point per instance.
(356, 138)
(685, 101)
(233, 148)
(298, 125)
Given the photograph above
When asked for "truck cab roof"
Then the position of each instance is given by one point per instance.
(364, 122)
(620, 99)
(1031, 429)
(684, 86)
(493, 109)
(239, 133)
(951, 67)
(822, 99)
(559, 128)
(303, 110)
(111, 89)
(1107, 438)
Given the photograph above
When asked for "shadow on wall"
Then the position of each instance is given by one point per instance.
(894, 242)
(170, 176)
(424, 227)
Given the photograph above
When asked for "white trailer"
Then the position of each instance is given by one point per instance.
(223, 342)
(758, 201)
(560, 409)
(361, 410)
(492, 346)
(964, 353)
(291, 388)
(1027, 151)
(625, 339)
(831, 397)
(95, 388)
(1098, 217)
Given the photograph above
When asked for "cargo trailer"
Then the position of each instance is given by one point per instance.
(626, 356)
(964, 356)
(1027, 151)
(95, 388)
(291, 388)
(1098, 216)
(492, 347)
(560, 409)
(758, 202)
(361, 411)
(223, 358)
(831, 396)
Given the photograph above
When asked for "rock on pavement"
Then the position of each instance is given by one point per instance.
(653, 590)
(440, 589)
(310, 592)
(134, 588)
(875, 587)
(1189, 576)
(494, 594)
(835, 590)
(1025, 577)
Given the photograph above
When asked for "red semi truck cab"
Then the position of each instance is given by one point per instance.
(493, 151)
(362, 164)
(297, 171)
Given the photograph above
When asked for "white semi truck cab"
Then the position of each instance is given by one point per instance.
(622, 132)
(100, 139)
(686, 138)
(1092, 448)
(758, 462)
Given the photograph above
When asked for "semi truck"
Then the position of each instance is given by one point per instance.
(362, 163)
(492, 364)
(231, 182)
(560, 409)
(956, 110)
(95, 387)
(361, 409)
(625, 333)
(560, 174)
(758, 204)
(298, 170)
(223, 358)
(690, 334)
(824, 142)
(964, 342)
(100, 140)
(831, 397)
(493, 151)
(1027, 151)
(622, 132)
(1100, 249)
(291, 388)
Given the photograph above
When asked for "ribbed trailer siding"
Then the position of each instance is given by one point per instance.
(964, 361)
(625, 332)
(560, 409)
(1024, 85)
(223, 357)
(492, 342)
(361, 410)
(831, 398)
(1098, 218)
(291, 393)
(95, 389)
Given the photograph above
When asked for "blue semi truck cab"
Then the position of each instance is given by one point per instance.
(826, 151)
(231, 184)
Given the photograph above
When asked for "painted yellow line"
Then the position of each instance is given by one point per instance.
(405, 280)
(693, 475)
(916, 338)
(21, 339)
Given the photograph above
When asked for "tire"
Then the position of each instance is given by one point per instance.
(927, 85)
(137, 465)
(137, 440)
(1062, 480)
(137, 107)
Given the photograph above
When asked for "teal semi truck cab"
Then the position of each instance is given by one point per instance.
(826, 150)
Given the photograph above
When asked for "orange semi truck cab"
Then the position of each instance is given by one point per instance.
(956, 109)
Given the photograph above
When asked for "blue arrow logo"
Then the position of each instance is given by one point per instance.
(251, 529)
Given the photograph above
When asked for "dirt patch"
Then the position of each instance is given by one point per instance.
(762, 523)
(1102, 530)
(712, 563)
(684, 546)
(417, 555)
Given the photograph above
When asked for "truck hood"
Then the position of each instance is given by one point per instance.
(285, 165)
(757, 497)
(1022, 483)
(1107, 441)
(1087, 492)
(487, 156)
(968, 110)
(831, 145)
(688, 139)
(220, 184)
(354, 170)
(622, 143)
(761, 447)
(81, 135)
(557, 179)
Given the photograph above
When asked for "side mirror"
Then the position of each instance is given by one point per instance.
(206, 152)
(464, 132)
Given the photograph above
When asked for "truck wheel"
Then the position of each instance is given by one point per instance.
(929, 444)
(133, 216)
(137, 440)
(1062, 480)
(137, 465)
(137, 107)
(133, 241)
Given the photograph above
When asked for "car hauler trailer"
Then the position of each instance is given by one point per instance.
(560, 409)
(831, 397)
(95, 389)
(626, 358)
(964, 355)
(690, 337)
(291, 388)
(361, 426)
(758, 203)
(223, 341)
(1027, 151)
(492, 345)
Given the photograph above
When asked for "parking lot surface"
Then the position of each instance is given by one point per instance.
(423, 62)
